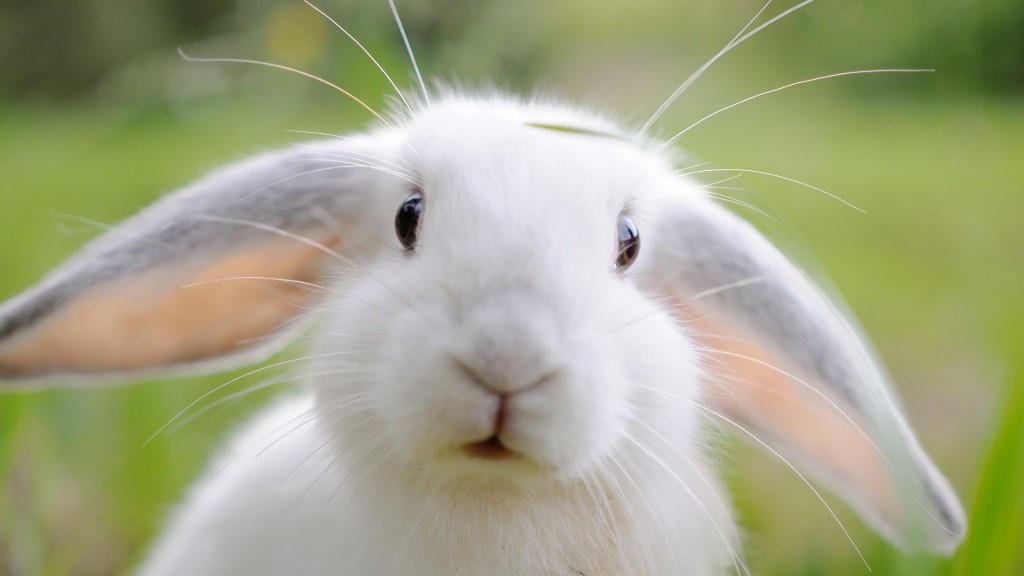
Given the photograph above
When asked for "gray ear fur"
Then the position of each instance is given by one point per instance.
(745, 296)
(326, 192)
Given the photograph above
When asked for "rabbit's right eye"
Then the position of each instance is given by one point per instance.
(407, 221)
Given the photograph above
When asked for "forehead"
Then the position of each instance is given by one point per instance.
(500, 151)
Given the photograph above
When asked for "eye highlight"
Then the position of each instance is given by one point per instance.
(629, 243)
(407, 220)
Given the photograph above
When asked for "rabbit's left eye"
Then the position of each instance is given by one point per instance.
(407, 221)
(629, 243)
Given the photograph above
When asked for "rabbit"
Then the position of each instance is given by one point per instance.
(524, 325)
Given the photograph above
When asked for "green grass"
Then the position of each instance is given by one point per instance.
(933, 270)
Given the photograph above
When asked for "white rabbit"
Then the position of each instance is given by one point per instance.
(527, 319)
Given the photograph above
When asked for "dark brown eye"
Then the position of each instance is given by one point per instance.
(407, 221)
(629, 243)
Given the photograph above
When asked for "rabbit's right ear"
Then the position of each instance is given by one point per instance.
(789, 371)
(214, 275)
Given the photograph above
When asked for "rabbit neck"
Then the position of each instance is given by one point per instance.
(591, 527)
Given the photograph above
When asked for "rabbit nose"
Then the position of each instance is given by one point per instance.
(503, 385)
(509, 346)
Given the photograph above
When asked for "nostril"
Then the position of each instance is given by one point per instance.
(547, 377)
(473, 374)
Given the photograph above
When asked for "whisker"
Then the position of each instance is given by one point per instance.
(228, 383)
(346, 137)
(275, 230)
(736, 41)
(722, 181)
(305, 459)
(119, 230)
(795, 471)
(790, 85)
(820, 394)
(654, 514)
(629, 508)
(779, 176)
(737, 561)
(318, 287)
(276, 182)
(365, 51)
(286, 434)
(263, 385)
(340, 163)
(295, 71)
(729, 286)
(367, 158)
(741, 204)
(408, 49)
(777, 455)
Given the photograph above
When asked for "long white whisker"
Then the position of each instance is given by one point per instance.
(345, 137)
(737, 562)
(780, 177)
(771, 21)
(729, 286)
(263, 385)
(790, 85)
(736, 41)
(118, 230)
(368, 158)
(721, 181)
(408, 48)
(305, 459)
(316, 245)
(275, 230)
(368, 55)
(629, 508)
(225, 384)
(266, 278)
(295, 71)
(741, 204)
(899, 474)
(795, 471)
(286, 434)
(340, 163)
(647, 504)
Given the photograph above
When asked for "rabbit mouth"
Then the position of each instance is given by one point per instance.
(490, 449)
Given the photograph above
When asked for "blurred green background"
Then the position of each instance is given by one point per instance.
(99, 115)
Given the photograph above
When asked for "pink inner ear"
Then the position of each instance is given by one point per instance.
(172, 316)
(748, 386)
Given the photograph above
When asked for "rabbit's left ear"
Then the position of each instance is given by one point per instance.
(788, 372)
(212, 276)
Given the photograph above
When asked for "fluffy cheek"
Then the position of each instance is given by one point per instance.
(667, 393)
(573, 422)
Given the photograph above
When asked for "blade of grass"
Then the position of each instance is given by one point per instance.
(995, 544)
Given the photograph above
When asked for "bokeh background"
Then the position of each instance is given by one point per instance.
(99, 115)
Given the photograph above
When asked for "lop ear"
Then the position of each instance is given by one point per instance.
(788, 372)
(214, 275)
